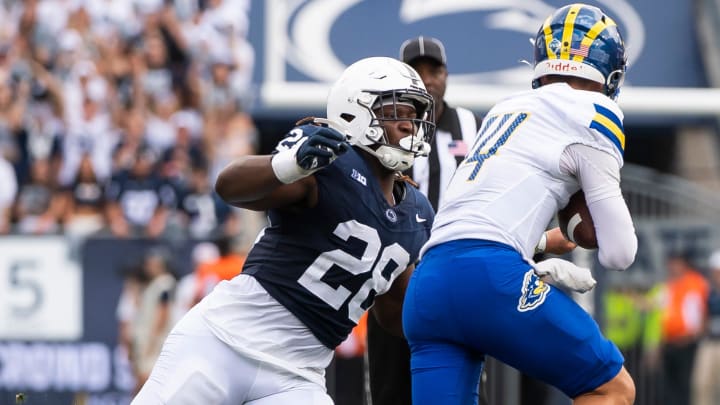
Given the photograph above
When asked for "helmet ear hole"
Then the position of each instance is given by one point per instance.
(613, 83)
(347, 117)
(373, 134)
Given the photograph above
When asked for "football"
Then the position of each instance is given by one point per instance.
(576, 223)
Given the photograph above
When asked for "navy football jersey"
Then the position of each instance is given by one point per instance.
(326, 264)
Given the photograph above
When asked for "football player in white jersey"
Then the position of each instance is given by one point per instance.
(476, 291)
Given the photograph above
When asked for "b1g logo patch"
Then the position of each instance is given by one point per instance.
(533, 293)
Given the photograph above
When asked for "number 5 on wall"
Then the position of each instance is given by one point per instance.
(23, 283)
(40, 289)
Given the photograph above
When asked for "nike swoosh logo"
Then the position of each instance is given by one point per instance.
(417, 218)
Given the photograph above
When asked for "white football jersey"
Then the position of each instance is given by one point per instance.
(510, 185)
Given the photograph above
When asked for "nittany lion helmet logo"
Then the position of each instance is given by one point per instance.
(533, 293)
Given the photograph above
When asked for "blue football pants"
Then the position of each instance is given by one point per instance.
(469, 298)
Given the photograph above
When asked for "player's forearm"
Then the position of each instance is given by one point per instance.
(617, 242)
(246, 179)
(599, 176)
(554, 242)
(252, 183)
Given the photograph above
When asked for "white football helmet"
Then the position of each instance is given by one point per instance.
(365, 86)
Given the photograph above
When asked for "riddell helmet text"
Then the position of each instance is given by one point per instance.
(560, 66)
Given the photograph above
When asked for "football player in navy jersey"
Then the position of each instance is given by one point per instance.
(477, 291)
(344, 226)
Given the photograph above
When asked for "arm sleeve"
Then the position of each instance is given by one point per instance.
(599, 176)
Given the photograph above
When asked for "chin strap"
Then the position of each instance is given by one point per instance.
(391, 158)
(405, 178)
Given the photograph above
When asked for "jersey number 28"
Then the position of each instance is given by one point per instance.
(375, 258)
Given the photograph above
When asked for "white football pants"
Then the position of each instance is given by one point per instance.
(195, 367)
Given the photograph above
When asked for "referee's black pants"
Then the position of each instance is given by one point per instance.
(388, 366)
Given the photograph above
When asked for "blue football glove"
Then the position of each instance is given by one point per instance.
(306, 150)
(321, 147)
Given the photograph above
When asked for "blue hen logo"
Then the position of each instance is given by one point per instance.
(534, 292)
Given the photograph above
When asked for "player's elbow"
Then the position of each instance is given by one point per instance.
(388, 315)
(222, 185)
(226, 183)
(619, 256)
(391, 324)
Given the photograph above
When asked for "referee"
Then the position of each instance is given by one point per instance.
(388, 358)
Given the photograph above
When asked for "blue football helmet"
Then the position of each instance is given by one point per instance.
(580, 40)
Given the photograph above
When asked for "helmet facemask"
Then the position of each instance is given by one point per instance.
(366, 99)
(383, 108)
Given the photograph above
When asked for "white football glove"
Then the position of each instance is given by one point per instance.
(563, 273)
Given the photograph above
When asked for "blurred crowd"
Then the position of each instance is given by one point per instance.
(117, 115)
(154, 296)
(669, 331)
